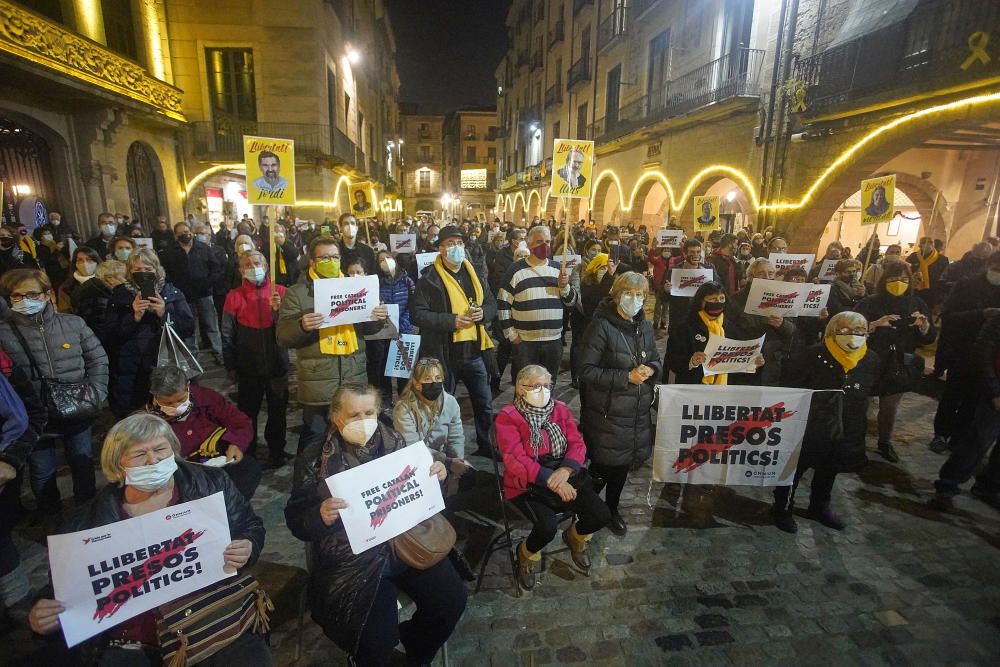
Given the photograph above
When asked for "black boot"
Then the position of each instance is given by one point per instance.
(825, 516)
(782, 511)
(617, 525)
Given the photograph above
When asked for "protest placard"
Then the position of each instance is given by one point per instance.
(402, 355)
(403, 243)
(391, 328)
(109, 574)
(685, 282)
(568, 262)
(729, 435)
(573, 164)
(387, 496)
(775, 297)
(815, 300)
(270, 170)
(346, 300)
(669, 238)
(143, 242)
(425, 259)
(783, 261)
(878, 197)
(828, 271)
(725, 355)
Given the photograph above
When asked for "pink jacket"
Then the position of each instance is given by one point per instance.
(520, 466)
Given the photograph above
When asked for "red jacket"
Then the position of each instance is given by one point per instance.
(520, 468)
(209, 411)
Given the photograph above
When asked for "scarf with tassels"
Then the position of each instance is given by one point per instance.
(539, 419)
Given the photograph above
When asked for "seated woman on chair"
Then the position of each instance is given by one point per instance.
(206, 424)
(543, 455)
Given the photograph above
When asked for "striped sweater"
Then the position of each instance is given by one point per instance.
(530, 303)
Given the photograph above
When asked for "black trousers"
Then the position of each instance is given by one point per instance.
(614, 478)
(440, 597)
(957, 403)
(591, 515)
(820, 490)
(251, 393)
(968, 448)
(547, 353)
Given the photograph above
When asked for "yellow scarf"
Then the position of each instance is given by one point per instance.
(282, 269)
(925, 269)
(714, 328)
(27, 244)
(460, 303)
(336, 340)
(848, 360)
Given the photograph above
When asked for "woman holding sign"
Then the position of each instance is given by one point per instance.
(353, 596)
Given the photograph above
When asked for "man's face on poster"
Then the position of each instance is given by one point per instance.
(574, 162)
(270, 168)
(706, 209)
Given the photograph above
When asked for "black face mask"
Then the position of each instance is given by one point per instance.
(185, 238)
(713, 309)
(431, 390)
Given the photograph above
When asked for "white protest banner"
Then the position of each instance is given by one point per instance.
(142, 242)
(815, 300)
(402, 355)
(403, 242)
(828, 270)
(726, 355)
(391, 328)
(729, 435)
(785, 260)
(112, 573)
(685, 282)
(669, 238)
(387, 496)
(346, 300)
(775, 297)
(425, 259)
(568, 262)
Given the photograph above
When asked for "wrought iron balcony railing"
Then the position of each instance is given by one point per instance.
(613, 26)
(579, 72)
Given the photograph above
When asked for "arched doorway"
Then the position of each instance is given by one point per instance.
(845, 225)
(735, 208)
(651, 210)
(25, 167)
(145, 184)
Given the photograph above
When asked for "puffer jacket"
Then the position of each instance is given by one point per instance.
(249, 345)
(398, 289)
(342, 585)
(319, 374)
(62, 345)
(521, 467)
(135, 346)
(617, 419)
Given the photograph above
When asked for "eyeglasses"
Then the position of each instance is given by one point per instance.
(853, 332)
(31, 296)
(325, 257)
(537, 387)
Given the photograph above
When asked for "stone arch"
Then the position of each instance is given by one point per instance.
(519, 208)
(739, 207)
(650, 204)
(534, 204)
(554, 206)
(144, 177)
(606, 183)
(713, 183)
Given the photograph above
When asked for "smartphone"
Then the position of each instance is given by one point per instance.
(904, 321)
(147, 283)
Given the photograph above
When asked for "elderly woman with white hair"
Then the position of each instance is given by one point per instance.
(844, 371)
(140, 460)
(543, 457)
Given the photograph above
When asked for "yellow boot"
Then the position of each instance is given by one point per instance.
(526, 562)
(577, 544)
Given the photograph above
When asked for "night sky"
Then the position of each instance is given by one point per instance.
(447, 51)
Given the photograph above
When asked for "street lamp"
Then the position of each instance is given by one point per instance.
(353, 56)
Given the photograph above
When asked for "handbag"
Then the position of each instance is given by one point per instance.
(903, 372)
(426, 544)
(66, 402)
(173, 352)
(199, 625)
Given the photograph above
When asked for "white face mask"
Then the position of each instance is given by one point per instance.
(108, 230)
(631, 305)
(350, 230)
(849, 342)
(152, 477)
(359, 431)
(388, 265)
(175, 410)
(254, 274)
(538, 398)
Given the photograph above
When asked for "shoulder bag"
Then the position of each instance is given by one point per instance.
(67, 402)
(426, 544)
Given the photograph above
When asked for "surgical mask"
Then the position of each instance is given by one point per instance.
(631, 305)
(184, 238)
(175, 410)
(88, 269)
(612, 243)
(328, 268)
(713, 309)
(55, 221)
(29, 306)
(350, 230)
(204, 238)
(119, 220)
(542, 251)
(849, 342)
(993, 277)
(47, 237)
(360, 431)
(108, 230)
(254, 274)
(538, 398)
(122, 254)
(388, 265)
(896, 287)
(431, 390)
(152, 477)
(592, 254)
(455, 254)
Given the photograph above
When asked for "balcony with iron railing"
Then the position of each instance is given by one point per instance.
(557, 34)
(578, 5)
(579, 72)
(612, 27)
(639, 7)
(222, 139)
(554, 94)
(935, 45)
(732, 76)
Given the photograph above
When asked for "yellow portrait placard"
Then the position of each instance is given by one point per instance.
(270, 167)
(363, 199)
(877, 197)
(572, 168)
(706, 213)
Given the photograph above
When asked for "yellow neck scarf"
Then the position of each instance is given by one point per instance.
(925, 269)
(847, 360)
(342, 339)
(715, 328)
(460, 303)
(282, 269)
(27, 244)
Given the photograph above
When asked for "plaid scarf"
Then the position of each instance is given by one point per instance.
(538, 419)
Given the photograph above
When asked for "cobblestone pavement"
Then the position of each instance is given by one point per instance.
(702, 577)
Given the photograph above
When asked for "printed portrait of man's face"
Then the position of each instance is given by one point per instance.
(270, 168)
(574, 161)
(706, 209)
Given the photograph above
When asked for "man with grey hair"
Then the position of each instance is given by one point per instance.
(531, 302)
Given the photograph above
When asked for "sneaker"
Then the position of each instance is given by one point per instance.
(888, 452)
(617, 525)
(939, 444)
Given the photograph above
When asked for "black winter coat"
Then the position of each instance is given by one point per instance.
(962, 314)
(891, 343)
(688, 336)
(817, 369)
(617, 418)
(778, 345)
(135, 346)
(194, 272)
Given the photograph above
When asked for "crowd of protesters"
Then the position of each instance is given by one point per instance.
(93, 321)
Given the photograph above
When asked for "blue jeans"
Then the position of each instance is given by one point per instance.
(477, 381)
(43, 464)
